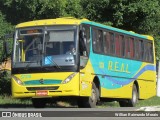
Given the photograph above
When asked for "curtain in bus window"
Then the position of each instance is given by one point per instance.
(121, 37)
(112, 50)
(137, 52)
(117, 45)
(123, 46)
(127, 50)
(131, 47)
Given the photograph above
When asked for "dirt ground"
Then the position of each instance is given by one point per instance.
(6, 65)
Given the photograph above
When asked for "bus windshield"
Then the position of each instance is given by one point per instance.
(45, 46)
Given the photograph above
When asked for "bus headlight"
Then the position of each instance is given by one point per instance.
(17, 80)
(69, 78)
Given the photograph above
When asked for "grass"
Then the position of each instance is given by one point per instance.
(154, 101)
(8, 102)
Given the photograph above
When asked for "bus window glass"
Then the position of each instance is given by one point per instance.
(104, 43)
(131, 47)
(97, 41)
(123, 46)
(137, 49)
(86, 32)
(117, 45)
(112, 40)
(127, 50)
(121, 40)
(141, 49)
(150, 47)
(59, 42)
(145, 57)
(107, 43)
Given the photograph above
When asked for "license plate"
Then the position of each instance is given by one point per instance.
(41, 93)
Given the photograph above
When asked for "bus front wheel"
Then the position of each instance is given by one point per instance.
(130, 102)
(89, 102)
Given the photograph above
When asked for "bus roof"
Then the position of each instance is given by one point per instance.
(74, 21)
(56, 21)
(132, 33)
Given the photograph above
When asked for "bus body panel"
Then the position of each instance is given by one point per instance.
(117, 76)
(86, 79)
(51, 81)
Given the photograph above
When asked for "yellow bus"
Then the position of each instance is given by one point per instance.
(81, 59)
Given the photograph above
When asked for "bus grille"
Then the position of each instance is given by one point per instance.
(42, 88)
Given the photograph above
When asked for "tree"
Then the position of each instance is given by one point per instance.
(17, 11)
(73, 8)
(25, 10)
(4, 28)
(140, 16)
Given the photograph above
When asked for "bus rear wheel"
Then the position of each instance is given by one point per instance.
(39, 102)
(130, 102)
(89, 102)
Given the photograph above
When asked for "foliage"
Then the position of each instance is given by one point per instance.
(141, 16)
(5, 28)
(5, 83)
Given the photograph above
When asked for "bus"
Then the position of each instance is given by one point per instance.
(83, 60)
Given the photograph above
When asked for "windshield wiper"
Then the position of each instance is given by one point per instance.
(53, 62)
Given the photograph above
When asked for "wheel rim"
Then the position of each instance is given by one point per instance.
(134, 97)
(93, 96)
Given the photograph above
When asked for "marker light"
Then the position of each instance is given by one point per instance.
(69, 78)
(17, 80)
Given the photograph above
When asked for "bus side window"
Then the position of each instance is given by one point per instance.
(117, 45)
(100, 41)
(123, 46)
(136, 49)
(131, 47)
(85, 39)
(112, 40)
(84, 45)
(105, 44)
(97, 41)
(141, 49)
(127, 49)
(150, 47)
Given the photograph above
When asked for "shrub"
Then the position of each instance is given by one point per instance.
(5, 83)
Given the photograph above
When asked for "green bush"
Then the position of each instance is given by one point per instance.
(5, 83)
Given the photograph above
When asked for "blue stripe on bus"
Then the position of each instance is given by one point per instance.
(119, 82)
(145, 68)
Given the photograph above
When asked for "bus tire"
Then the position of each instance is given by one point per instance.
(89, 102)
(130, 102)
(38, 102)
